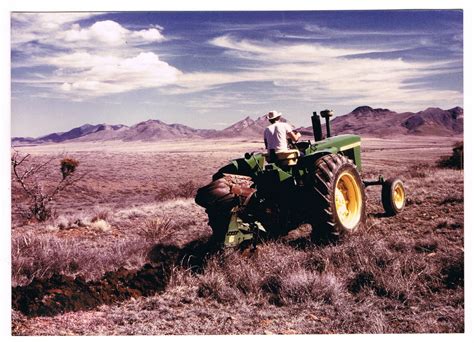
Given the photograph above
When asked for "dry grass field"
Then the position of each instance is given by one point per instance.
(132, 220)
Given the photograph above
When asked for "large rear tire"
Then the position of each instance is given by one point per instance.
(338, 196)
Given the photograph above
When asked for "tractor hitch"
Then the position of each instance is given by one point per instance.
(379, 182)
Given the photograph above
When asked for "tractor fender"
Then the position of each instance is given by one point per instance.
(238, 167)
(309, 160)
(242, 166)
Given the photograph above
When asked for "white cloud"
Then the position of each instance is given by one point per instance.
(110, 33)
(107, 32)
(27, 27)
(87, 75)
(107, 58)
(98, 59)
(311, 71)
(278, 53)
(149, 35)
(61, 30)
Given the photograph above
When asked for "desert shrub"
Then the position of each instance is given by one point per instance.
(68, 166)
(456, 160)
(172, 191)
(32, 179)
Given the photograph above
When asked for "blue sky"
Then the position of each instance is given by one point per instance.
(210, 69)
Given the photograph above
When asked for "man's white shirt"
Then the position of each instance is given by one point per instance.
(276, 136)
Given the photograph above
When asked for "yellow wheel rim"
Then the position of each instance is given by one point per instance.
(348, 200)
(398, 196)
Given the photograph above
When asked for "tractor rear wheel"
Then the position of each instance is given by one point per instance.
(393, 196)
(339, 198)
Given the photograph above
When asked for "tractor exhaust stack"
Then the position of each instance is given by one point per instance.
(317, 130)
(326, 114)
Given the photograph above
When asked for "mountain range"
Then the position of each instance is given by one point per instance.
(363, 120)
(381, 122)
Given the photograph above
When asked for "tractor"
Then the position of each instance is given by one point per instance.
(265, 195)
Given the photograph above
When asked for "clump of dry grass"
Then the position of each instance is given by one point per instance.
(40, 256)
(97, 221)
(100, 214)
(420, 170)
(180, 190)
(355, 278)
(157, 229)
(275, 273)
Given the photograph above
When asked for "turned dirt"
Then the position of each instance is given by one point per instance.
(61, 293)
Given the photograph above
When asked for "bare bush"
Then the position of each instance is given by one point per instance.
(29, 176)
(455, 160)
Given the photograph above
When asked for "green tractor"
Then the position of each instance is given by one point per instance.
(267, 195)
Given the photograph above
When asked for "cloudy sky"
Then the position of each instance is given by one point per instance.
(210, 69)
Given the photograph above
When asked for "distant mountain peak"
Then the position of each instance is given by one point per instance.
(361, 109)
(241, 124)
(369, 110)
(429, 109)
(86, 126)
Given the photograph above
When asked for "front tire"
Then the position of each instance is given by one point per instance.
(338, 196)
(393, 196)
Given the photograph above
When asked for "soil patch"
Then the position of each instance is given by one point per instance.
(62, 293)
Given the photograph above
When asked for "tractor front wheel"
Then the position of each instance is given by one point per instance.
(393, 196)
(338, 198)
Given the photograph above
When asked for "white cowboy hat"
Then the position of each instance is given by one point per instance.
(273, 115)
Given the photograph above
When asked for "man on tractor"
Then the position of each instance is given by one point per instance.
(276, 135)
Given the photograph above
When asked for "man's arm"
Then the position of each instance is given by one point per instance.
(293, 135)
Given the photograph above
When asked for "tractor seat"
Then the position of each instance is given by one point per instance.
(283, 158)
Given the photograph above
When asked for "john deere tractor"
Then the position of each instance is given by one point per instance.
(265, 195)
